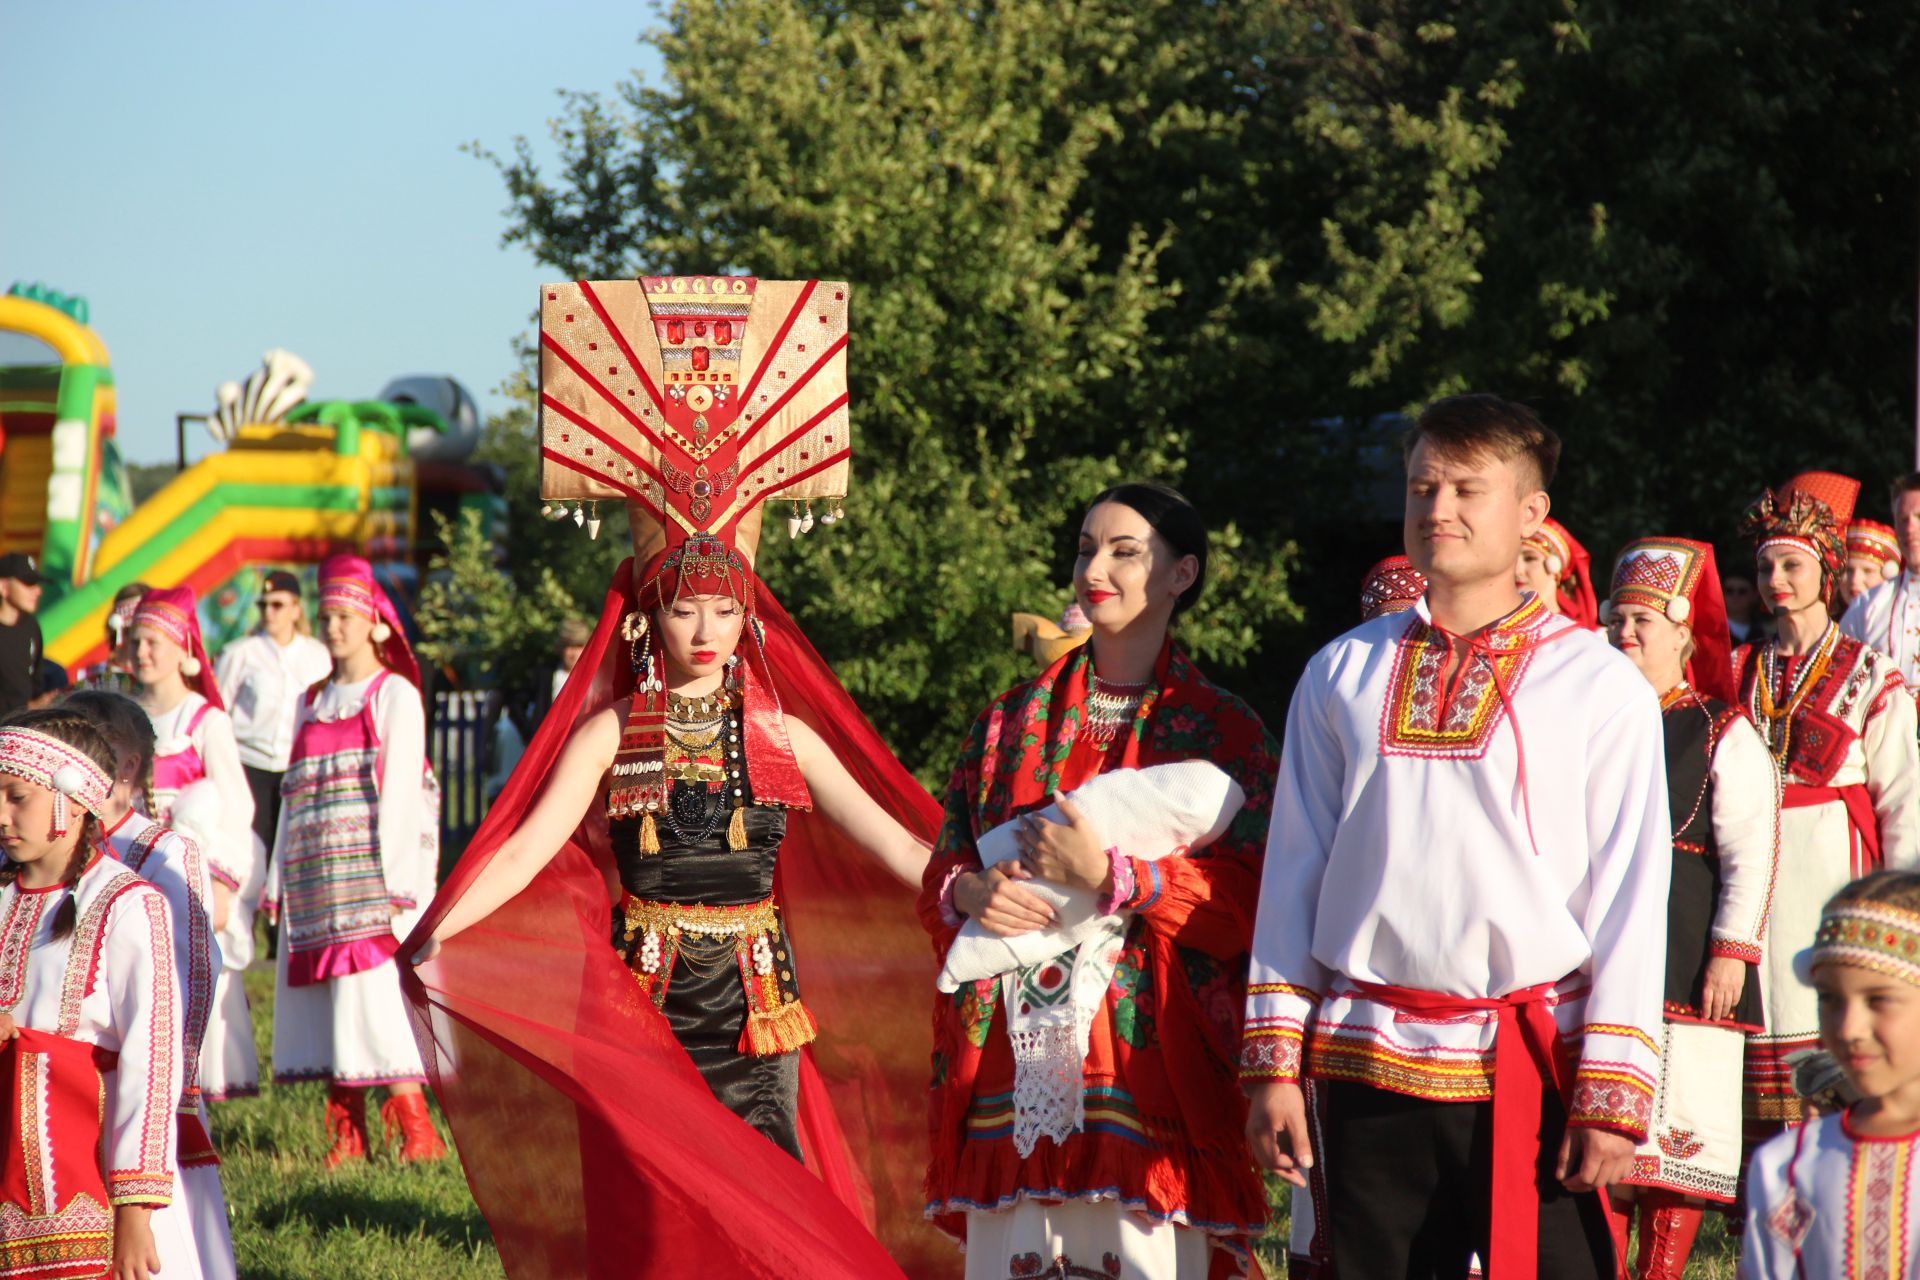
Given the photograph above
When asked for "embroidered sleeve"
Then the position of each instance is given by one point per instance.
(954, 851)
(1284, 981)
(143, 995)
(1893, 774)
(1746, 830)
(176, 869)
(403, 796)
(1630, 868)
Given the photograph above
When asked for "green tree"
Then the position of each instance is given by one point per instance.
(1006, 361)
(482, 623)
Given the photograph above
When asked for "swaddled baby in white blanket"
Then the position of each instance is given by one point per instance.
(1151, 813)
(1147, 813)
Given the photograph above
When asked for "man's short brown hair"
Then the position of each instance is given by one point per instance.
(1481, 425)
(1908, 483)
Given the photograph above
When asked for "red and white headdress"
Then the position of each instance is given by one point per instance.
(70, 773)
(695, 400)
(1871, 540)
(1392, 586)
(347, 582)
(1677, 578)
(1811, 512)
(174, 613)
(1571, 568)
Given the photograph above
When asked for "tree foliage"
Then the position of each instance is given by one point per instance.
(480, 623)
(1214, 243)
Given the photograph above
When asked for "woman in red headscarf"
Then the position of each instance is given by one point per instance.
(355, 859)
(1665, 613)
(1840, 724)
(680, 948)
(1554, 566)
(1146, 1168)
(193, 735)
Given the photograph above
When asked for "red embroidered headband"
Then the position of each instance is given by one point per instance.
(1866, 935)
(350, 594)
(61, 767)
(168, 619)
(1872, 540)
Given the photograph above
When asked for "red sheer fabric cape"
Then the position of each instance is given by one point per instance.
(591, 1144)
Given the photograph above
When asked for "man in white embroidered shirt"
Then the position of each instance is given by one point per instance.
(1462, 928)
(1888, 617)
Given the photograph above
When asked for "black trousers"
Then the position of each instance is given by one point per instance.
(1409, 1190)
(265, 786)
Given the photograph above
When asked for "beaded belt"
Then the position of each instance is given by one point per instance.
(707, 937)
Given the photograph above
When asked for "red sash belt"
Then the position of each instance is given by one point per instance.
(1865, 850)
(1526, 1058)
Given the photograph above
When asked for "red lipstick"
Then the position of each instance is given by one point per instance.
(704, 656)
(1100, 597)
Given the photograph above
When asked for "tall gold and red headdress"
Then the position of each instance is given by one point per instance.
(1810, 511)
(695, 400)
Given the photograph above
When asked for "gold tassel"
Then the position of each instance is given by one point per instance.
(737, 829)
(649, 835)
(782, 1031)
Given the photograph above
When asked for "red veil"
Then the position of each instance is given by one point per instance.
(591, 1144)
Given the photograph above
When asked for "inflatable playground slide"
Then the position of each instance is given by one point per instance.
(296, 481)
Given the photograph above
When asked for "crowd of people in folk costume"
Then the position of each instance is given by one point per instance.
(147, 814)
(1556, 920)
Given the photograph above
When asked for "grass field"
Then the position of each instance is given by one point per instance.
(379, 1220)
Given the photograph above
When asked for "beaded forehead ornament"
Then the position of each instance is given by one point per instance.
(61, 767)
(1867, 935)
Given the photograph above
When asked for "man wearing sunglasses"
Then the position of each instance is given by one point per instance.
(262, 676)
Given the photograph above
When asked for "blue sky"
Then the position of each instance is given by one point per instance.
(220, 178)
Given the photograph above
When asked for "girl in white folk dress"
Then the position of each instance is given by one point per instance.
(1833, 1199)
(90, 1054)
(172, 859)
(355, 859)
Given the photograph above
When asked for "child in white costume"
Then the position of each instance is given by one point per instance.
(172, 861)
(90, 1051)
(1834, 1198)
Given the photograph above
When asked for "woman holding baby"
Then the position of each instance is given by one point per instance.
(1086, 1115)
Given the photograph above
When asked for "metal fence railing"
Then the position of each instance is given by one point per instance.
(457, 744)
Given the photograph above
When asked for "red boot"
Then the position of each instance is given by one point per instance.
(1619, 1221)
(346, 1124)
(1668, 1225)
(407, 1112)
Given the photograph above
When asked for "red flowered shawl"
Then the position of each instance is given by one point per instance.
(1171, 1027)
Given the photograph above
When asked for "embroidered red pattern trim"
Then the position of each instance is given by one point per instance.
(1421, 719)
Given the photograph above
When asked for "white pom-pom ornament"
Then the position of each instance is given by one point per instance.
(1679, 609)
(1555, 564)
(68, 779)
(189, 666)
(1606, 611)
(382, 633)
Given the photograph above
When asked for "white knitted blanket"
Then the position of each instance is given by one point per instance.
(1053, 980)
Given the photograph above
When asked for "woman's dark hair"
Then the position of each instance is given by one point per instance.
(1171, 516)
(77, 730)
(125, 724)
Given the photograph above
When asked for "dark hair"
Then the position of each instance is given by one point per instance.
(126, 726)
(1170, 515)
(132, 591)
(1908, 483)
(1483, 425)
(77, 730)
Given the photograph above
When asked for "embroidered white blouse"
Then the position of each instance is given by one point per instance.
(1410, 847)
(130, 1006)
(1825, 1203)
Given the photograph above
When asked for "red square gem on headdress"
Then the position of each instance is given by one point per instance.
(699, 359)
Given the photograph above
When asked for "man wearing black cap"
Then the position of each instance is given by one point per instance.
(262, 676)
(19, 631)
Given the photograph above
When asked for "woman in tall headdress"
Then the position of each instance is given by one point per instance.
(1554, 566)
(1665, 613)
(355, 857)
(1145, 1167)
(1840, 724)
(700, 863)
